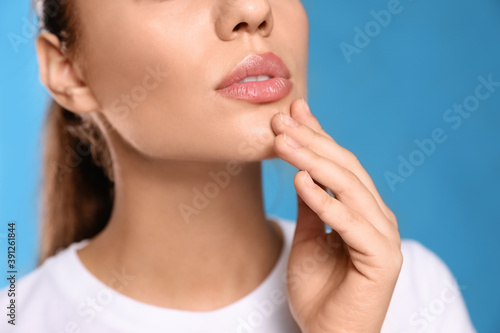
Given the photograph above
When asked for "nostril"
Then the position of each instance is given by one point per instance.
(240, 25)
(263, 25)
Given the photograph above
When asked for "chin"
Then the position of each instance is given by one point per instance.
(263, 154)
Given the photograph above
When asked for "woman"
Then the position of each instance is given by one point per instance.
(153, 213)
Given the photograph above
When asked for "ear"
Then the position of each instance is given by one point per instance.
(58, 75)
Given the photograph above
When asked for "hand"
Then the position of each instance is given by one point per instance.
(340, 281)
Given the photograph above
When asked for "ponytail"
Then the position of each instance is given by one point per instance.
(77, 181)
(77, 190)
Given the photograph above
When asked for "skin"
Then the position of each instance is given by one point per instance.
(167, 144)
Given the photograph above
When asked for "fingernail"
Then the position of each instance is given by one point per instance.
(306, 106)
(291, 142)
(309, 180)
(287, 120)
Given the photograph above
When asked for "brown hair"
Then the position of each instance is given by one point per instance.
(77, 180)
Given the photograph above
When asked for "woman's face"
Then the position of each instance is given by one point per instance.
(154, 67)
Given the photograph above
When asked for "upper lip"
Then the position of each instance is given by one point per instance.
(254, 65)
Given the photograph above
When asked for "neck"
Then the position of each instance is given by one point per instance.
(194, 233)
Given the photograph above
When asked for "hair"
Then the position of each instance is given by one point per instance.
(77, 187)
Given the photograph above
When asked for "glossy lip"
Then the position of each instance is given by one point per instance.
(270, 90)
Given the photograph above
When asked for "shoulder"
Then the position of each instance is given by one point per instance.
(424, 269)
(419, 261)
(427, 298)
(31, 283)
(36, 295)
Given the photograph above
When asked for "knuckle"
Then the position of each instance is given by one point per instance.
(280, 144)
(330, 211)
(396, 253)
(346, 219)
(350, 181)
(350, 157)
(325, 206)
(398, 260)
(393, 258)
(311, 138)
(392, 217)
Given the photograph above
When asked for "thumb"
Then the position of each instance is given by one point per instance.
(309, 225)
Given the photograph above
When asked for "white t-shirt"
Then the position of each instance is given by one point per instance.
(62, 296)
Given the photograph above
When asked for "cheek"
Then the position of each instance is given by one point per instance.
(163, 112)
(145, 86)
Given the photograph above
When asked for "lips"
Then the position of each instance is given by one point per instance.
(257, 79)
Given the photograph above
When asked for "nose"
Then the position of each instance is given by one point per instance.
(236, 17)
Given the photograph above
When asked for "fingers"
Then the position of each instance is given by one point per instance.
(300, 111)
(343, 183)
(373, 253)
(310, 133)
(308, 225)
(355, 230)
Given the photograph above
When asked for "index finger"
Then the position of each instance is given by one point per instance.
(300, 111)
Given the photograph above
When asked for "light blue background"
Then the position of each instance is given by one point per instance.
(393, 92)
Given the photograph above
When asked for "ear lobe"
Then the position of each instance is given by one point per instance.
(58, 76)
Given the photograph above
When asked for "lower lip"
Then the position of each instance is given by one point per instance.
(259, 91)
